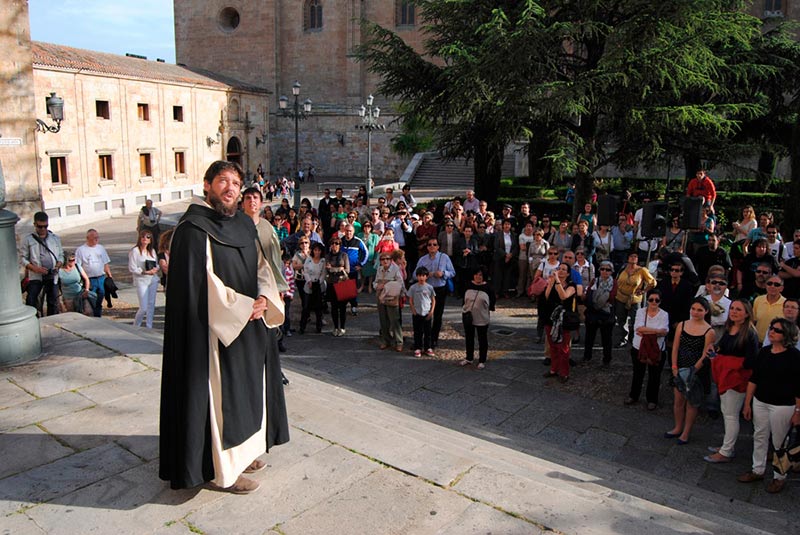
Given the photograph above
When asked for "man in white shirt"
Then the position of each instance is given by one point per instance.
(407, 198)
(471, 202)
(93, 259)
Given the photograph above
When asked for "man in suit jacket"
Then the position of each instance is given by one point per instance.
(506, 250)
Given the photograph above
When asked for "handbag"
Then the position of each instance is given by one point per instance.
(389, 294)
(571, 320)
(649, 350)
(537, 287)
(788, 455)
(150, 264)
(345, 290)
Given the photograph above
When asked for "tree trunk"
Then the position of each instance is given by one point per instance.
(488, 166)
(766, 170)
(584, 184)
(540, 170)
(791, 215)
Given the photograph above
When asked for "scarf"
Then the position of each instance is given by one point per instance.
(602, 293)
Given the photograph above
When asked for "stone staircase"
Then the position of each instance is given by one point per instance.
(434, 172)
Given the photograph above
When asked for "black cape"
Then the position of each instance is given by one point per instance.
(185, 432)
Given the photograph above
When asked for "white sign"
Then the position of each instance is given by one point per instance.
(10, 141)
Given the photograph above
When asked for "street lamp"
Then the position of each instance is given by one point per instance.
(55, 108)
(369, 122)
(296, 113)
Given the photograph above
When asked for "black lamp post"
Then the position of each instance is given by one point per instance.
(369, 122)
(297, 113)
(55, 108)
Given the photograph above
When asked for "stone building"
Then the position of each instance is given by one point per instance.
(136, 129)
(273, 43)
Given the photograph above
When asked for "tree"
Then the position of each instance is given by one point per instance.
(605, 81)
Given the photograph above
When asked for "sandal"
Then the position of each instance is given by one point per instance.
(256, 466)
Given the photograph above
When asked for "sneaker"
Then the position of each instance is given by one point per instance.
(341, 332)
(464, 362)
(417, 353)
(354, 311)
(749, 477)
(336, 332)
(430, 353)
(481, 365)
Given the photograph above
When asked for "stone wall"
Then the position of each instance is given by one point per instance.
(17, 112)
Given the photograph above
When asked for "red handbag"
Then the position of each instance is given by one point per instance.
(345, 290)
(537, 287)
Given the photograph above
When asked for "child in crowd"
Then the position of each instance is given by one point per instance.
(422, 299)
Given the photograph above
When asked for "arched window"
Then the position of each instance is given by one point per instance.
(312, 19)
(405, 14)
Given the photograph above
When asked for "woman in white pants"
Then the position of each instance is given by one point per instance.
(736, 351)
(143, 266)
(774, 391)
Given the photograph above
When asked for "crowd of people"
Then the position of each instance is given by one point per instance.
(726, 322)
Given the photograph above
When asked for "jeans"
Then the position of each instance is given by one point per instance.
(625, 318)
(606, 330)
(339, 313)
(653, 378)
(483, 340)
(769, 418)
(51, 295)
(146, 289)
(422, 332)
(731, 403)
(287, 317)
(438, 311)
(97, 285)
(391, 333)
(559, 352)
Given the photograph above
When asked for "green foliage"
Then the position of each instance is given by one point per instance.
(415, 136)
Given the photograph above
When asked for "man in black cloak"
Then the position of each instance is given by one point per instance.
(222, 402)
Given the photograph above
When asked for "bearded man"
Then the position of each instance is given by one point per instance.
(222, 401)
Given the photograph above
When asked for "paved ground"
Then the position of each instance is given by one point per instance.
(416, 441)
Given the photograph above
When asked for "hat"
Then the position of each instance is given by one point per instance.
(508, 206)
(415, 217)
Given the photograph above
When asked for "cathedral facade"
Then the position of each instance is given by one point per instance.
(273, 43)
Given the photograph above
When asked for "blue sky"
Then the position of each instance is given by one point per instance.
(142, 27)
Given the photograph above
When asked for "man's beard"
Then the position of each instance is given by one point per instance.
(220, 207)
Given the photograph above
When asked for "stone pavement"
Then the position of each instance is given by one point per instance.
(78, 430)
(415, 418)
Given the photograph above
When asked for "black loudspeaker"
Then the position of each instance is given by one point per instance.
(692, 212)
(654, 220)
(607, 210)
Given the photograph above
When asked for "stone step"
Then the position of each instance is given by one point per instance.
(580, 496)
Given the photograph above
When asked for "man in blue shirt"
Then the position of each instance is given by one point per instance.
(440, 269)
(622, 238)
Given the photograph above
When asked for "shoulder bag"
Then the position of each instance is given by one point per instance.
(649, 350)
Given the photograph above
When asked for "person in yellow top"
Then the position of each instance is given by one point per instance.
(633, 282)
(768, 307)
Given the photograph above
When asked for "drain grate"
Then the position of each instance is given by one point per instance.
(504, 332)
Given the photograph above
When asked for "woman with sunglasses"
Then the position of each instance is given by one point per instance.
(772, 400)
(690, 349)
(315, 285)
(650, 320)
(143, 265)
(731, 367)
(546, 268)
(75, 287)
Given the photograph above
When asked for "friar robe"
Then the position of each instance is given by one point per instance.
(222, 401)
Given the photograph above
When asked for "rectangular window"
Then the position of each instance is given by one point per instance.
(102, 109)
(58, 169)
(106, 169)
(180, 163)
(144, 111)
(177, 113)
(145, 165)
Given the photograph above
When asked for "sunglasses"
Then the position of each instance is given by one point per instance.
(775, 329)
(580, 254)
(654, 300)
(41, 226)
(718, 283)
(146, 237)
(552, 253)
(762, 272)
(676, 270)
(385, 258)
(336, 243)
(774, 283)
(605, 269)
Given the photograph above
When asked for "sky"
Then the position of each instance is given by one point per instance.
(143, 27)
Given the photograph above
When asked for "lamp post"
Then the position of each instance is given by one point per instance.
(20, 337)
(369, 122)
(297, 113)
